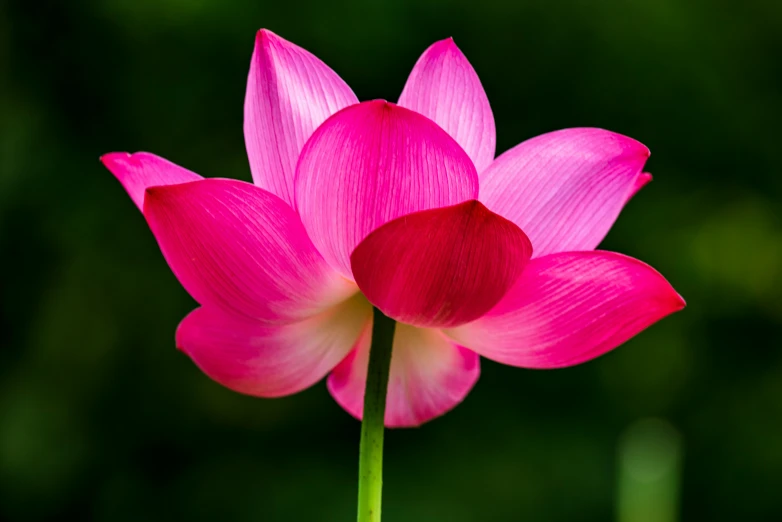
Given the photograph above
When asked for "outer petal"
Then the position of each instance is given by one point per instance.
(429, 376)
(251, 357)
(289, 93)
(641, 181)
(565, 188)
(569, 308)
(441, 267)
(138, 171)
(444, 87)
(242, 249)
(369, 164)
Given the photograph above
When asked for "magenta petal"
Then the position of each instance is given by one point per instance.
(237, 247)
(569, 308)
(441, 267)
(429, 376)
(444, 87)
(138, 171)
(565, 189)
(266, 360)
(289, 93)
(369, 164)
(641, 181)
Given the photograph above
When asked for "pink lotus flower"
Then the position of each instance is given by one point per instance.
(404, 207)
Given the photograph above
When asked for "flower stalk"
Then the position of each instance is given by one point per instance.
(370, 464)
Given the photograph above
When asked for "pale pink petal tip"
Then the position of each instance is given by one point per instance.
(369, 164)
(430, 375)
(440, 267)
(290, 92)
(568, 308)
(138, 171)
(444, 87)
(566, 188)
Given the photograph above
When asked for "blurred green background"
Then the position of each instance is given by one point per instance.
(102, 419)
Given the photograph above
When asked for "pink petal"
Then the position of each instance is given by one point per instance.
(235, 246)
(369, 164)
(265, 360)
(289, 93)
(641, 181)
(441, 267)
(569, 308)
(138, 171)
(444, 87)
(565, 188)
(429, 376)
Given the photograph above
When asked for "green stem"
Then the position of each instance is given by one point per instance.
(370, 463)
